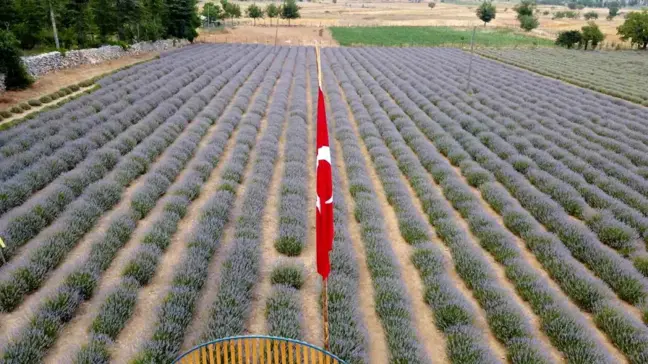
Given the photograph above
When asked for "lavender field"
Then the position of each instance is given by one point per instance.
(504, 221)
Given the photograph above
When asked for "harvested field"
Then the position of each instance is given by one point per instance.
(499, 222)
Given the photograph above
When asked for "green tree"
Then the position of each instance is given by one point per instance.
(231, 10)
(254, 11)
(104, 17)
(76, 23)
(30, 21)
(272, 11)
(528, 22)
(182, 19)
(525, 10)
(486, 12)
(572, 5)
(635, 29)
(590, 15)
(212, 12)
(289, 10)
(569, 38)
(154, 19)
(592, 33)
(613, 9)
(16, 76)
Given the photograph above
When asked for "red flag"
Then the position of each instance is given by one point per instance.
(324, 203)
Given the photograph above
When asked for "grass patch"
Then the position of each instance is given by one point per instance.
(392, 36)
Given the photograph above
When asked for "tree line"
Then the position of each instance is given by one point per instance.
(213, 12)
(89, 23)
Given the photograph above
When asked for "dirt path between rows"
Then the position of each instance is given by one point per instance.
(54, 81)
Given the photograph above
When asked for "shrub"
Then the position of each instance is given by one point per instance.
(16, 75)
(569, 38)
(45, 99)
(34, 103)
(73, 88)
(25, 106)
(289, 275)
(590, 15)
(528, 22)
(17, 110)
(6, 114)
(431, 4)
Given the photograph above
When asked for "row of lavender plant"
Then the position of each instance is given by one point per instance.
(554, 95)
(393, 304)
(21, 186)
(30, 219)
(454, 315)
(621, 183)
(27, 134)
(347, 330)
(176, 311)
(613, 269)
(34, 340)
(283, 309)
(612, 232)
(491, 235)
(611, 131)
(589, 293)
(74, 119)
(52, 129)
(609, 163)
(118, 306)
(28, 275)
(507, 320)
(609, 230)
(230, 311)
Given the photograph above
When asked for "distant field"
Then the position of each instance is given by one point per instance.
(431, 36)
(620, 74)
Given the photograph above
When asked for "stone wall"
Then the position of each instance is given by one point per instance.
(48, 62)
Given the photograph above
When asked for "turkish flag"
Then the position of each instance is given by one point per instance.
(324, 203)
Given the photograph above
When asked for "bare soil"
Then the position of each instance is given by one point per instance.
(285, 36)
(54, 81)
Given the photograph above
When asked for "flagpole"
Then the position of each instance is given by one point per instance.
(325, 317)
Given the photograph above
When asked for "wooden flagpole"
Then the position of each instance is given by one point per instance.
(325, 318)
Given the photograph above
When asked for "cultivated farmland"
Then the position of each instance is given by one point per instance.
(495, 222)
(620, 74)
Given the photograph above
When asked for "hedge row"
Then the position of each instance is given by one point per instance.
(117, 308)
(626, 332)
(393, 305)
(176, 311)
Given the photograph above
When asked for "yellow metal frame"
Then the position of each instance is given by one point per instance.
(257, 349)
